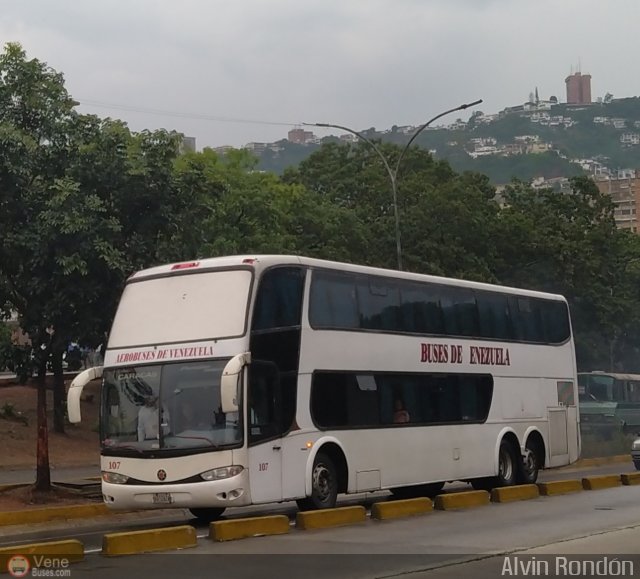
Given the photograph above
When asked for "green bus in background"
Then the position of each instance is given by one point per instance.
(609, 401)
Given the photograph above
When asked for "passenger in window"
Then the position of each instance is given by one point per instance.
(400, 414)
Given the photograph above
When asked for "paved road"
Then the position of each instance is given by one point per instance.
(91, 531)
(442, 544)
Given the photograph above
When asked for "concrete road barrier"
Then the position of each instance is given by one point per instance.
(560, 487)
(403, 508)
(45, 515)
(69, 551)
(514, 493)
(606, 481)
(133, 542)
(248, 527)
(330, 517)
(461, 500)
(630, 478)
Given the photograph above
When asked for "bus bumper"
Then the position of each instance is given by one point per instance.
(231, 492)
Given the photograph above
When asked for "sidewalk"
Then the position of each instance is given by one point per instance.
(64, 474)
(8, 379)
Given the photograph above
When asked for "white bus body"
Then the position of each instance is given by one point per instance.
(295, 365)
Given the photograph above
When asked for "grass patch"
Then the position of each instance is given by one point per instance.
(596, 444)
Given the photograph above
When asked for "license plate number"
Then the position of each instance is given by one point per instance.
(162, 498)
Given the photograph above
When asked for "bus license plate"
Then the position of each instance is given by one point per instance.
(162, 498)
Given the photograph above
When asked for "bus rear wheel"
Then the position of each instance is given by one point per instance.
(207, 515)
(324, 485)
(530, 463)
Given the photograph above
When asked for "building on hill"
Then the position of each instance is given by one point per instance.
(188, 144)
(300, 136)
(624, 189)
(578, 89)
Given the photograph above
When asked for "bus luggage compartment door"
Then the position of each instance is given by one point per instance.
(558, 436)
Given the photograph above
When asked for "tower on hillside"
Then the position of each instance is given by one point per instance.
(578, 88)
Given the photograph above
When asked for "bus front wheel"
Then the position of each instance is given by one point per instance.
(207, 515)
(324, 485)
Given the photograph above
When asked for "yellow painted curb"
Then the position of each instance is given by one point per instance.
(71, 550)
(28, 516)
(404, 508)
(605, 481)
(132, 542)
(600, 461)
(514, 493)
(330, 517)
(248, 527)
(560, 487)
(461, 500)
(631, 478)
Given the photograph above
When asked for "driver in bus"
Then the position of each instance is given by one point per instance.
(149, 420)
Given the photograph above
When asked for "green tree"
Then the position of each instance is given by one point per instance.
(83, 203)
(444, 217)
(569, 244)
(59, 245)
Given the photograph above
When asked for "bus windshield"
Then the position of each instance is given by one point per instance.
(162, 407)
(179, 308)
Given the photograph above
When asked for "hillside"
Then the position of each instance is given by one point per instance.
(534, 140)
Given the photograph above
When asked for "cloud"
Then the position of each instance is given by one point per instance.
(361, 63)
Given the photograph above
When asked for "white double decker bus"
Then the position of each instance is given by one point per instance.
(256, 379)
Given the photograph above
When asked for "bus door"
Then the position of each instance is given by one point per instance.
(264, 433)
(563, 426)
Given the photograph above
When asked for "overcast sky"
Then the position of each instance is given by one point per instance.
(359, 63)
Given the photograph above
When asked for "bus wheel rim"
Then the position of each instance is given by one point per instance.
(529, 461)
(506, 468)
(321, 482)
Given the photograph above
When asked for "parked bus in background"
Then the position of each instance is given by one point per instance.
(256, 379)
(609, 402)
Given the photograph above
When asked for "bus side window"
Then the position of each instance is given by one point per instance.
(634, 391)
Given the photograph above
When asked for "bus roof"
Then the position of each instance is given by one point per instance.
(260, 262)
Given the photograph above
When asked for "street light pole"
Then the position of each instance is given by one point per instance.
(393, 173)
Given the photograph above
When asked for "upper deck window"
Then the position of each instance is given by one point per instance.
(354, 301)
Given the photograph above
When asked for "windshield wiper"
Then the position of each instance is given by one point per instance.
(124, 447)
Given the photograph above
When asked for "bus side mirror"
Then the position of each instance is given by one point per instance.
(230, 382)
(75, 391)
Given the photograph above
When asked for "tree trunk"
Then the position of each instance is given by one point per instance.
(59, 393)
(43, 473)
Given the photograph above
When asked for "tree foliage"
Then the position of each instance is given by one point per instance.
(84, 202)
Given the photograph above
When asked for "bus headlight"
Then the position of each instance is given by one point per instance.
(221, 473)
(636, 444)
(114, 477)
